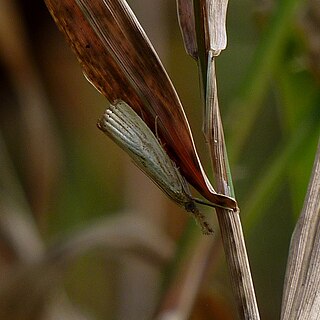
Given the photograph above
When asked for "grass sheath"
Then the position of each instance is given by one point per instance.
(209, 29)
(230, 223)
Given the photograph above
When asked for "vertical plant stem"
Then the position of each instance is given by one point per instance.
(229, 221)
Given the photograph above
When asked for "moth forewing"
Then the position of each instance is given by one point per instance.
(123, 125)
(130, 132)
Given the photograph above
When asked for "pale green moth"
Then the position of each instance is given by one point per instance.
(123, 125)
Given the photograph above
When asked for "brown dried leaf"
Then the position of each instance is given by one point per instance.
(119, 60)
(187, 26)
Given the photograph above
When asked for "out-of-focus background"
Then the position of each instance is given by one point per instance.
(83, 234)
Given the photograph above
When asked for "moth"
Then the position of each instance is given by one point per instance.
(126, 128)
(93, 29)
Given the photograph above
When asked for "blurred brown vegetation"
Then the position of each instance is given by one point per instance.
(83, 234)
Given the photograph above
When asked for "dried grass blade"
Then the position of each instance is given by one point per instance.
(210, 20)
(301, 297)
(230, 224)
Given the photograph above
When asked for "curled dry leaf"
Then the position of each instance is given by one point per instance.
(119, 60)
(187, 26)
(203, 22)
(203, 28)
(215, 25)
